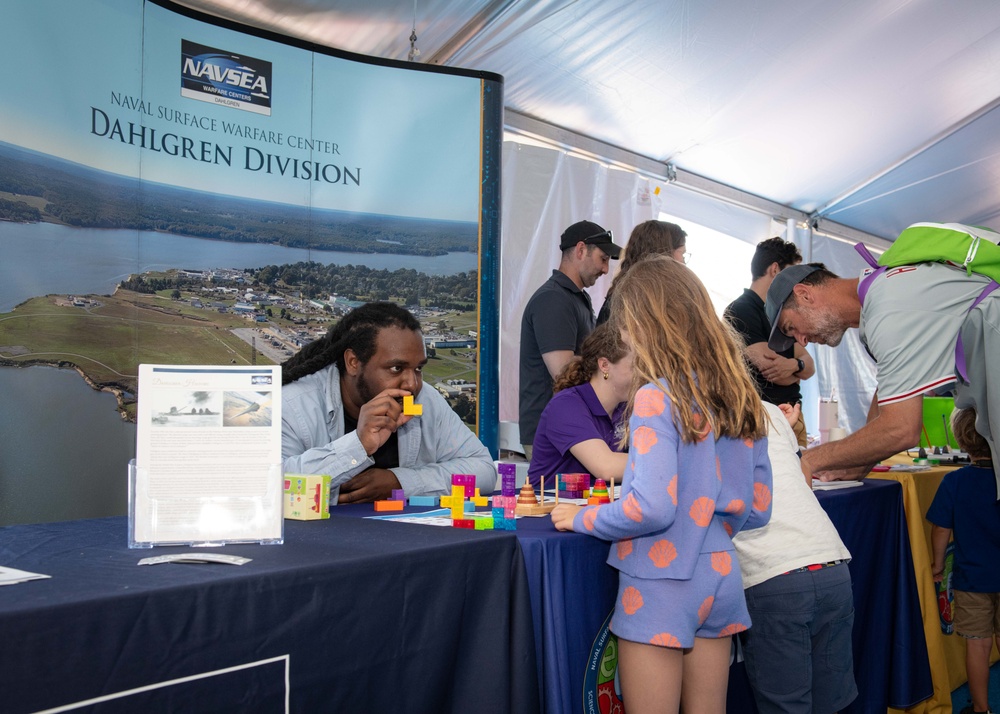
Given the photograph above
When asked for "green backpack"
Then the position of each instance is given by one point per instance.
(971, 247)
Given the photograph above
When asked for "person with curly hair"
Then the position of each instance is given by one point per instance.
(580, 430)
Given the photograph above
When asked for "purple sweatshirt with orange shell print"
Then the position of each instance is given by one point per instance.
(679, 500)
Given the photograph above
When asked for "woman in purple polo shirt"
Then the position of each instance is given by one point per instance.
(580, 428)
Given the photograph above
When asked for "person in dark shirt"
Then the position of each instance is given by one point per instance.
(964, 506)
(777, 373)
(558, 318)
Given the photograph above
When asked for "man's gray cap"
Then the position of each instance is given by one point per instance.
(777, 294)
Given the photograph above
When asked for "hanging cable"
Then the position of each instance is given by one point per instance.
(414, 52)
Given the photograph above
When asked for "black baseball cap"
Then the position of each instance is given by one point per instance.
(591, 234)
(778, 294)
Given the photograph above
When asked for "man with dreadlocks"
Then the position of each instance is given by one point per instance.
(342, 413)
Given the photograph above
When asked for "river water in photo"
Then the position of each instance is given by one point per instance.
(65, 449)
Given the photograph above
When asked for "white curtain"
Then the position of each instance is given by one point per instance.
(544, 191)
(547, 189)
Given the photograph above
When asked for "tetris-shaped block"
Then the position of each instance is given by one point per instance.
(397, 495)
(508, 479)
(573, 482)
(425, 500)
(457, 502)
(411, 409)
(507, 503)
(467, 481)
(464, 522)
(479, 499)
(484, 524)
(388, 505)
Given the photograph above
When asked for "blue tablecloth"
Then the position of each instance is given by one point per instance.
(573, 591)
(386, 616)
(347, 616)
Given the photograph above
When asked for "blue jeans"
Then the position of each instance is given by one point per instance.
(798, 651)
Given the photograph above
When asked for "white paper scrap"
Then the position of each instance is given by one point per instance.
(12, 576)
(195, 558)
(831, 485)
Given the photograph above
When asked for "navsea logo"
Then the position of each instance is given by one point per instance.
(601, 693)
(231, 80)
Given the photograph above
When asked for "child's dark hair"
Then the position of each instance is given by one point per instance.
(963, 426)
(357, 331)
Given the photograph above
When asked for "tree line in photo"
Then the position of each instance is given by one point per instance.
(351, 282)
(80, 196)
(358, 282)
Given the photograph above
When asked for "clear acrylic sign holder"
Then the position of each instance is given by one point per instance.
(208, 468)
(204, 521)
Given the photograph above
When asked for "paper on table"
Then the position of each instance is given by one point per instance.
(208, 455)
(12, 576)
(831, 485)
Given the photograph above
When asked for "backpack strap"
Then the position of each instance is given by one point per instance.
(866, 282)
(866, 254)
(959, 349)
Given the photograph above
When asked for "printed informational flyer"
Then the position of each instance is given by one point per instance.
(208, 456)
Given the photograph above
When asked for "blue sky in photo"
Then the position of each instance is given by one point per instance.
(413, 137)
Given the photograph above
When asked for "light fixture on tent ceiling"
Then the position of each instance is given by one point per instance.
(414, 52)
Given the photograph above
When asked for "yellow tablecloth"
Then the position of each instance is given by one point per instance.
(945, 652)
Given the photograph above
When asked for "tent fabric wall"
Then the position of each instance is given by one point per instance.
(546, 189)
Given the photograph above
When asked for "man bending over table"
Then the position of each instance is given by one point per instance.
(342, 413)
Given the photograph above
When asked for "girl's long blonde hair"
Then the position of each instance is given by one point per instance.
(687, 351)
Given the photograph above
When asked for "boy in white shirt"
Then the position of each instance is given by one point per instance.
(798, 651)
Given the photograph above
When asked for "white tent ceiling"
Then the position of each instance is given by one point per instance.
(873, 114)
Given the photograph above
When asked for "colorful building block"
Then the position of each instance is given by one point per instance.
(508, 479)
(389, 505)
(306, 497)
(457, 501)
(397, 495)
(464, 523)
(411, 409)
(468, 481)
(425, 500)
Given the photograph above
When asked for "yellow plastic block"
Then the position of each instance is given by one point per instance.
(411, 409)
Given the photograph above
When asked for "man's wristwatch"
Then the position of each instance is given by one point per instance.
(802, 366)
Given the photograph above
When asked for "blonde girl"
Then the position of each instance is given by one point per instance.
(697, 473)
